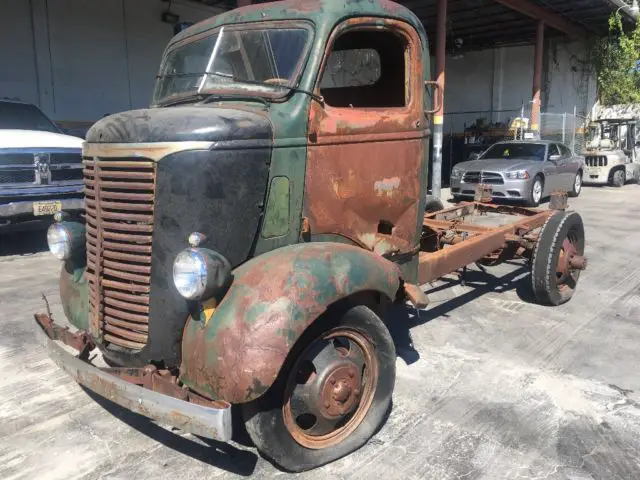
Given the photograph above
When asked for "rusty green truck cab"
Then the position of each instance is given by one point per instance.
(291, 140)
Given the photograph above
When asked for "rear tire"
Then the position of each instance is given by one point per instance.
(289, 423)
(561, 237)
(576, 188)
(618, 178)
(535, 194)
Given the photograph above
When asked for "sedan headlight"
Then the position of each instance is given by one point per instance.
(456, 172)
(65, 239)
(518, 175)
(199, 273)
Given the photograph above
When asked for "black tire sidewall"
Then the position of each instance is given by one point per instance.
(547, 253)
(264, 418)
(616, 184)
(433, 204)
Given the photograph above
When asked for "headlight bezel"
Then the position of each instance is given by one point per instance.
(456, 172)
(210, 274)
(518, 175)
(73, 243)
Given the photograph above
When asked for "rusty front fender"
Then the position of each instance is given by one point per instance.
(235, 351)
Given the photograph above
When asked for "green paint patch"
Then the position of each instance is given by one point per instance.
(276, 220)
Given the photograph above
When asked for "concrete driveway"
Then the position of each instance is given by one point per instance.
(489, 386)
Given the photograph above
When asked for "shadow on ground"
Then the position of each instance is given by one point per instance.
(402, 318)
(217, 454)
(23, 241)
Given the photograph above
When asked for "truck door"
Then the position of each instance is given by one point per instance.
(367, 143)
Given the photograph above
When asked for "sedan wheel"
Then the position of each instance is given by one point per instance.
(577, 185)
(536, 193)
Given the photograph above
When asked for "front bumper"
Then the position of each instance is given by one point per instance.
(596, 176)
(25, 207)
(510, 189)
(205, 421)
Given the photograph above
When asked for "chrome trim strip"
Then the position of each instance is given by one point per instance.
(153, 151)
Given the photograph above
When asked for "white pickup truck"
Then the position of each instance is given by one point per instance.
(40, 167)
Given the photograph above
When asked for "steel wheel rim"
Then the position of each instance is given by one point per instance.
(537, 191)
(578, 183)
(566, 277)
(326, 391)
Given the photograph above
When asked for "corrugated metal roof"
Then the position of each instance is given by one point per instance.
(481, 24)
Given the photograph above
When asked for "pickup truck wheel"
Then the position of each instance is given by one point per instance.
(577, 185)
(618, 178)
(535, 194)
(332, 397)
(558, 258)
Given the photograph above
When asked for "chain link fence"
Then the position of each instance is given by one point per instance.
(568, 128)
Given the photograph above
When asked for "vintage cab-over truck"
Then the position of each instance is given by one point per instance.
(244, 235)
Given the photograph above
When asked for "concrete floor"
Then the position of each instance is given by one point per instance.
(489, 385)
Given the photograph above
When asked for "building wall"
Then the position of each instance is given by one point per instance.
(495, 84)
(79, 60)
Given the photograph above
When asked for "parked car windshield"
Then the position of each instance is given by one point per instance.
(22, 116)
(253, 60)
(519, 151)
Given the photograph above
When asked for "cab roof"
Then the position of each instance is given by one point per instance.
(322, 13)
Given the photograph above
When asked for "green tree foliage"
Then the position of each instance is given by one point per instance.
(617, 61)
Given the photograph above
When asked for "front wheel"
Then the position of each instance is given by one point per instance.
(577, 185)
(618, 178)
(331, 398)
(535, 194)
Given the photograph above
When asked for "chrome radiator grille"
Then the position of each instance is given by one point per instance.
(119, 197)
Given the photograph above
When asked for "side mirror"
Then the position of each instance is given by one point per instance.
(474, 155)
(554, 158)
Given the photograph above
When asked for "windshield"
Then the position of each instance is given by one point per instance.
(250, 59)
(23, 116)
(516, 151)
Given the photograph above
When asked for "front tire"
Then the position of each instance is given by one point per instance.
(618, 178)
(332, 395)
(535, 194)
(577, 185)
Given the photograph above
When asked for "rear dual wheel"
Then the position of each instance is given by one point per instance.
(558, 258)
(331, 397)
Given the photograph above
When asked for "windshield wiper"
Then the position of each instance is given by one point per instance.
(212, 97)
(317, 98)
(203, 98)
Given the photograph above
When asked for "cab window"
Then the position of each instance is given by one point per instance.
(366, 69)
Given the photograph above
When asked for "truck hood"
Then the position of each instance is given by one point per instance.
(498, 165)
(206, 123)
(37, 139)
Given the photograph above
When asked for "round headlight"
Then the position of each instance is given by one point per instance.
(190, 274)
(59, 240)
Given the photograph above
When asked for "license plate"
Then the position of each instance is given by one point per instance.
(47, 208)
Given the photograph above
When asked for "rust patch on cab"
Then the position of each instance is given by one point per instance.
(352, 185)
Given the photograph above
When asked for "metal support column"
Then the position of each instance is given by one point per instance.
(438, 117)
(537, 80)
